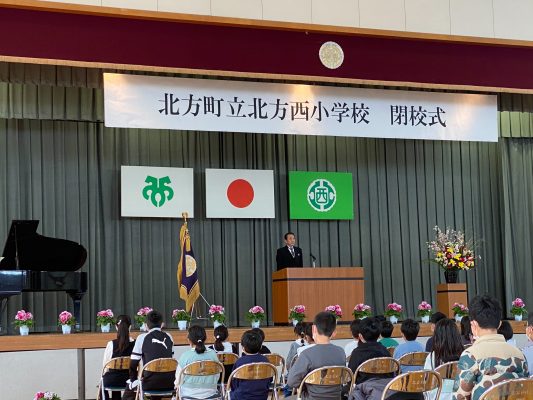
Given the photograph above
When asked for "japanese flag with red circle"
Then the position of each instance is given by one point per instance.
(239, 193)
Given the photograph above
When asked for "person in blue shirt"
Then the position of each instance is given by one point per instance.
(242, 389)
(409, 329)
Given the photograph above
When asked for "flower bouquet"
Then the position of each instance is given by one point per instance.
(23, 321)
(459, 311)
(394, 312)
(216, 313)
(66, 320)
(424, 311)
(46, 396)
(140, 318)
(181, 317)
(255, 315)
(336, 310)
(519, 309)
(104, 319)
(362, 311)
(297, 313)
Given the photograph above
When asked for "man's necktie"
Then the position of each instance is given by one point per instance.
(291, 249)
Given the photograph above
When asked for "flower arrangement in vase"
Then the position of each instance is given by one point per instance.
(66, 320)
(140, 317)
(180, 318)
(336, 310)
(424, 311)
(46, 396)
(217, 314)
(255, 315)
(104, 319)
(297, 314)
(459, 311)
(23, 321)
(394, 312)
(362, 311)
(518, 309)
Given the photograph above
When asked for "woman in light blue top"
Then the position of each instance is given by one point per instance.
(198, 387)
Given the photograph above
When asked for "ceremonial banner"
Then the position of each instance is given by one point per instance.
(239, 193)
(320, 195)
(156, 192)
(189, 287)
(138, 101)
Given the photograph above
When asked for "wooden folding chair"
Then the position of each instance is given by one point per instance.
(118, 363)
(448, 370)
(159, 365)
(254, 371)
(514, 389)
(204, 368)
(227, 358)
(413, 359)
(391, 351)
(378, 366)
(279, 362)
(328, 376)
(414, 382)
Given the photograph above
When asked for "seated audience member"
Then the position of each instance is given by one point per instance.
(122, 346)
(447, 347)
(264, 349)
(242, 389)
(528, 349)
(368, 347)
(410, 329)
(436, 317)
(197, 387)
(506, 330)
(299, 332)
(466, 331)
(151, 345)
(354, 329)
(221, 344)
(323, 354)
(386, 332)
(490, 359)
(309, 341)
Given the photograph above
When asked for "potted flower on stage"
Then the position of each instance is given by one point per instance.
(424, 311)
(519, 309)
(336, 310)
(181, 317)
(216, 313)
(104, 319)
(140, 318)
(452, 252)
(255, 315)
(394, 312)
(459, 311)
(362, 311)
(46, 396)
(66, 320)
(23, 321)
(297, 314)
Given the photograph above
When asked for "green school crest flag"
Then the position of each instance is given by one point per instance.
(320, 195)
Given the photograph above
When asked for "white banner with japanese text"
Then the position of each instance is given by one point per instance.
(135, 101)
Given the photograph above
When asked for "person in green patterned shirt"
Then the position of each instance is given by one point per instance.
(490, 360)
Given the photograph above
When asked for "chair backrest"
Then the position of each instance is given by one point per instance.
(227, 358)
(514, 389)
(254, 371)
(448, 370)
(120, 363)
(416, 358)
(276, 360)
(327, 376)
(202, 368)
(380, 365)
(415, 382)
(391, 350)
(160, 365)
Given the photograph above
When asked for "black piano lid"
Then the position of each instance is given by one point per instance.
(40, 253)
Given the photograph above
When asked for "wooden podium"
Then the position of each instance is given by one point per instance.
(448, 294)
(316, 288)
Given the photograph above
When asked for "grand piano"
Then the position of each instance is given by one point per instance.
(35, 263)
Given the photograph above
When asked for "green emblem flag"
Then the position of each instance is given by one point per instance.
(320, 195)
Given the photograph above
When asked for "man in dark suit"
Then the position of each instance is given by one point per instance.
(289, 256)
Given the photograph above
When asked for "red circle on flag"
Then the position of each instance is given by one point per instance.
(240, 193)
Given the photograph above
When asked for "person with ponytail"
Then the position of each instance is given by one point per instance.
(122, 346)
(221, 344)
(197, 387)
(299, 333)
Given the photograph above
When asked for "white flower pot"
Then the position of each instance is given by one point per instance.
(182, 325)
(393, 319)
(216, 324)
(66, 329)
(24, 330)
(361, 318)
(458, 318)
(294, 322)
(425, 319)
(143, 327)
(518, 317)
(255, 324)
(105, 328)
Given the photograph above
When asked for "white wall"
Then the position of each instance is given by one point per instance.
(483, 18)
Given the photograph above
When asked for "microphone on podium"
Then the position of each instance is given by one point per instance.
(313, 260)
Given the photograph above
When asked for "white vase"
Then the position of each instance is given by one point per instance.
(216, 324)
(143, 327)
(182, 325)
(294, 322)
(393, 319)
(518, 317)
(66, 329)
(24, 330)
(105, 328)
(425, 319)
(458, 318)
(255, 324)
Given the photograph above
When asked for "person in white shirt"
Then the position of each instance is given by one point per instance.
(354, 328)
(299, 332)
(528, 348)
(309, 341)
(221, 344)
